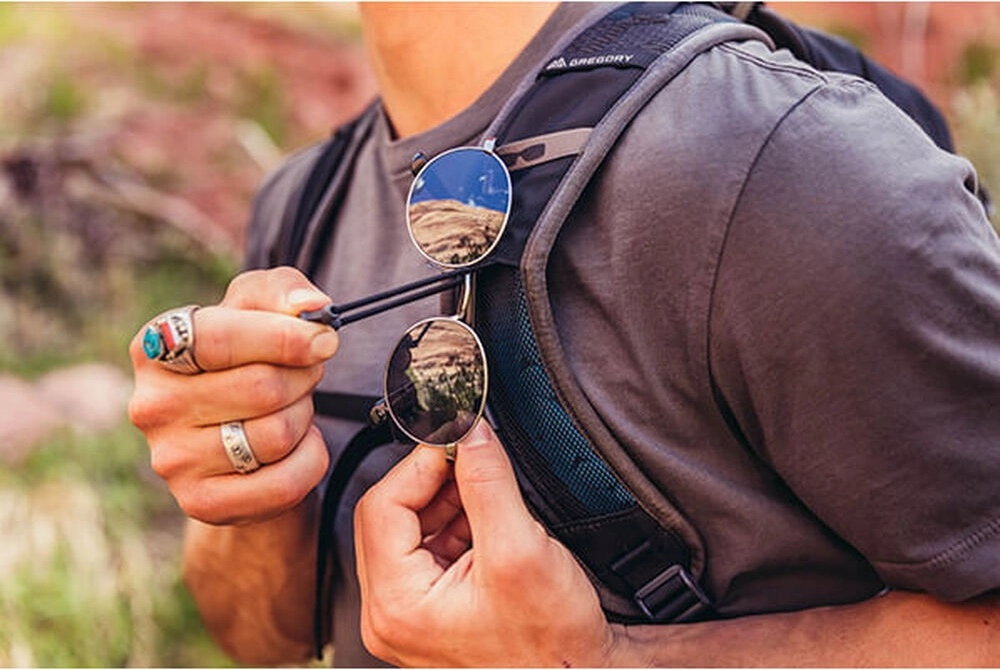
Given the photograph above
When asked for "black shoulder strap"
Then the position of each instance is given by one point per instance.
(642, 567)
(326, 173)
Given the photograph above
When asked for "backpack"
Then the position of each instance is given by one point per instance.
(643, 557)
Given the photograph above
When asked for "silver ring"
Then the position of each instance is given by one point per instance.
(169, 339)
(234, 441)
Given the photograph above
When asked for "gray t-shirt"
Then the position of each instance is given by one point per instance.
(777, 295)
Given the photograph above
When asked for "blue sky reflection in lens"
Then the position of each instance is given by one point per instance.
(458, 205)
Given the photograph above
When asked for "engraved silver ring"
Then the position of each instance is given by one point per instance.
(234, 441)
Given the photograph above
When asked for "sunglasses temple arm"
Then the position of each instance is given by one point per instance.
(336, 316)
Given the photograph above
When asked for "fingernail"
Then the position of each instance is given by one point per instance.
(480, 435)
(305, 298)
(325, 344)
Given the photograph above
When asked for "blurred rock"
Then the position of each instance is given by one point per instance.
(26, 419)
(90, 398)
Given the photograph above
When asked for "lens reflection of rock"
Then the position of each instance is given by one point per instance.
(437, 396)
(454, 233)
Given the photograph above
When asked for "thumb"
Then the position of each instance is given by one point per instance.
(488, 488)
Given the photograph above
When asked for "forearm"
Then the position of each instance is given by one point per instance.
(254, 584)
(898, 629)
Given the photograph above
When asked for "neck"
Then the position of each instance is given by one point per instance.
(432, 60)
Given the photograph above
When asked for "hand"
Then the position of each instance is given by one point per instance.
(515, 597)
(261, 364)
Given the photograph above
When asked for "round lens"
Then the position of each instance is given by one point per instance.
(458, 206)
(435, 381)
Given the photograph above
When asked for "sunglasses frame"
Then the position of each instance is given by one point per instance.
(453, 276)
(387, 394)
(487, 150)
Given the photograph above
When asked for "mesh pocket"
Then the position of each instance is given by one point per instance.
(539, 434)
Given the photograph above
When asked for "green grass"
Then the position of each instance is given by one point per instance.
(91, 540)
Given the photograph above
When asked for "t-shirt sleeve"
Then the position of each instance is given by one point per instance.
(855, 338)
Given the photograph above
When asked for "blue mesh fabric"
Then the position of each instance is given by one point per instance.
(520, 394)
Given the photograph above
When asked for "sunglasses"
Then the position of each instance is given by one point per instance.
(435, 380)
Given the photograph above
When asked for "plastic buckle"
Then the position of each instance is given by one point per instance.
(672, 596)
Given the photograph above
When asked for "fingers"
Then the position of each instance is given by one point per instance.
(257, 322)
(265, 493)
(387, 525)
(227, 338)
(284, 290)
(271, 439)
(445, 506)
(261, 365)
(201, 400)
(498, 518)
(450, 542)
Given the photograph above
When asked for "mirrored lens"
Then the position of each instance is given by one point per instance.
(435, 381)
(458, 206)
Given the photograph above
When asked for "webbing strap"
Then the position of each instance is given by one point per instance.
(571, 488)
(362, 444)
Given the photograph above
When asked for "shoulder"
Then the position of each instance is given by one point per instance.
(854, 299)
(851, 280)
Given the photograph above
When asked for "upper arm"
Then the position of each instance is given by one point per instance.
(855, 338)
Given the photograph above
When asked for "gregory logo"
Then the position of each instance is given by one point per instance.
(584, 62)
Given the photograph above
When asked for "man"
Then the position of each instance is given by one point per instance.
(806, 325)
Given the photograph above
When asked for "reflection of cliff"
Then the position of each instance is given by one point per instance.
(440, 392)
(445, 351)
(452, 232)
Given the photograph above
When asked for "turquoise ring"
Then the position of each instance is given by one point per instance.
(169, 339)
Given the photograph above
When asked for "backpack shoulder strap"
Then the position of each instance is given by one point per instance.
(644, 558)
(320, 198)
(312, 229)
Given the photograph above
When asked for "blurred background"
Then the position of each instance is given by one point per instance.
(132, 138)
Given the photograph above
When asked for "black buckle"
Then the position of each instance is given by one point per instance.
(664, 595)
(672, 596)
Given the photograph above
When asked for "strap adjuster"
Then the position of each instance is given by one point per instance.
(672, 596)
(664, 594)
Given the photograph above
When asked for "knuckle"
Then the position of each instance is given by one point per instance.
(368, 505)
(241, 284)
(292, 341)
(278, 434)
(195, 504)
(287, 492)
(519, 558)
(147, 409)
(286, 275)
(164, 461)
(135, 351)
(373, 642)
(268, 385)
(386, 624)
